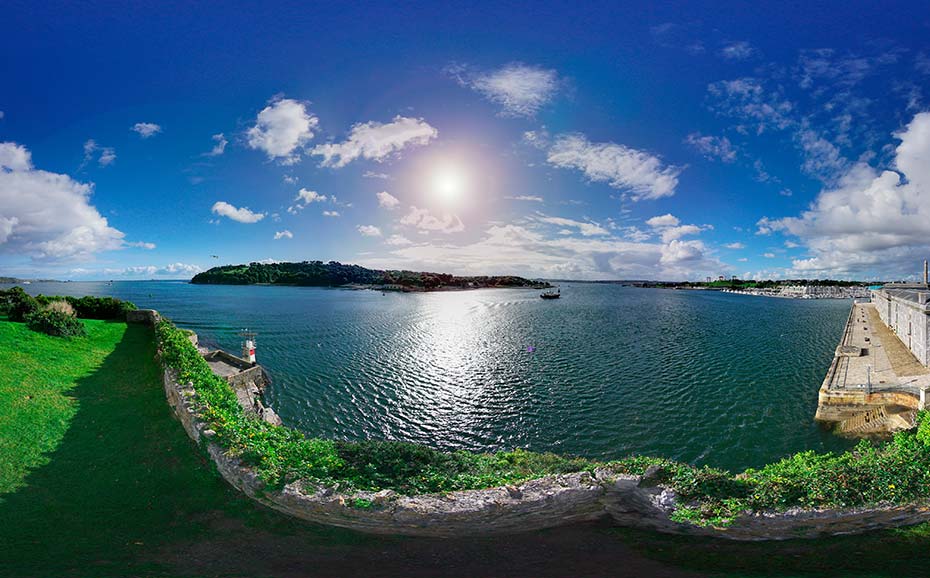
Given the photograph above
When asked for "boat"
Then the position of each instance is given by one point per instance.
(550, 294)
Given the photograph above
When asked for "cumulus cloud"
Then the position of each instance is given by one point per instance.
(519, 89)
(243, 215)
(528, 198)
(146, 129)
(669, 227)
(425, 221)
(387, 200)
(870, 221)
(376, 141)
(369, 230)
(666, 220)
(641, 174)
(331, 213)
(735, 246)
(48, 216)
(285, 234)
(141, 245)
(712, 147)
(282, 129)
(219, 146)
(305, 197)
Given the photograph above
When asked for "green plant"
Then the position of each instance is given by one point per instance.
(55, 322)
(18, 304)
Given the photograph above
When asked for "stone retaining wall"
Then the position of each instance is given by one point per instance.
(632, 501)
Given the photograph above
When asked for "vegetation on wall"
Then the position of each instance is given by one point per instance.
(894, 472)
(335, 274)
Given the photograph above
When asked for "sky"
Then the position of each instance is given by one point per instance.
(614, 140)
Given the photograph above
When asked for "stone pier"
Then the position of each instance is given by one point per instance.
(875, 384)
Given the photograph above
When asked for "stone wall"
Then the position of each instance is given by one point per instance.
(907, 318)
(632, 501)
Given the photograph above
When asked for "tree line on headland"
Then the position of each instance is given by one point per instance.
(335, 274)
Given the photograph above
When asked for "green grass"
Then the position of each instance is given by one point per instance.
(105, 482)
(35, 406)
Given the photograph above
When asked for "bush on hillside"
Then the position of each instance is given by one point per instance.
(61, 307)
(17, 304)
(55, 322)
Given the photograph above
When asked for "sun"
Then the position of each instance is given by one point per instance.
(448, 183)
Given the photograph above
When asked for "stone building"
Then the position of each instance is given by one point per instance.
(905, 309)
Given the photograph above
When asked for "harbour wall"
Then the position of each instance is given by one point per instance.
(630, 501)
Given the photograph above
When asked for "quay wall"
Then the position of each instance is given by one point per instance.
(631, 501)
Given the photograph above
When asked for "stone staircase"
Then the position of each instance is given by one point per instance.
(877, 420)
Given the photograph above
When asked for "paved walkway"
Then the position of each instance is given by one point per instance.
(885, 361)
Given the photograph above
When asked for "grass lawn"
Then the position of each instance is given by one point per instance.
(35, 405)
(100, 480)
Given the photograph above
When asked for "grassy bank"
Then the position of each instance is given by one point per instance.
(36, 406)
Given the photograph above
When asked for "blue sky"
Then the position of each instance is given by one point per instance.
(591, 141)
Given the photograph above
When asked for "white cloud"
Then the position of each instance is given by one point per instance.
(669, 227)
(519, 89)
(285, 234)
(172, 270)
(146, 129)
(305, 197)
(735, 246)
(871, 221)
(375, 175)
(528, 198)
(712, 147)
(822, 159)
(331, 214)
(387, 200)
(624, 168)
(425, 221)
(282, 129)
(585, 228)
(369, 230)
(106, 157)
(740, 50)
(666, 220)
(141, 245)
(376, 141)
(290, 179)
(47, 215)
(397, 241)
(747, 100)
(243, 215)
(523, 250)
(219, 147)
(768, 255)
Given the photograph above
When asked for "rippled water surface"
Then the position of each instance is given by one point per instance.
(606, 371)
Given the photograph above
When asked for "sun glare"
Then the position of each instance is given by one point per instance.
(448, 183)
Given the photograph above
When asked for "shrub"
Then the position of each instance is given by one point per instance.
(18, 304)
(62, 307)
(55, 322)
(106, 308)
